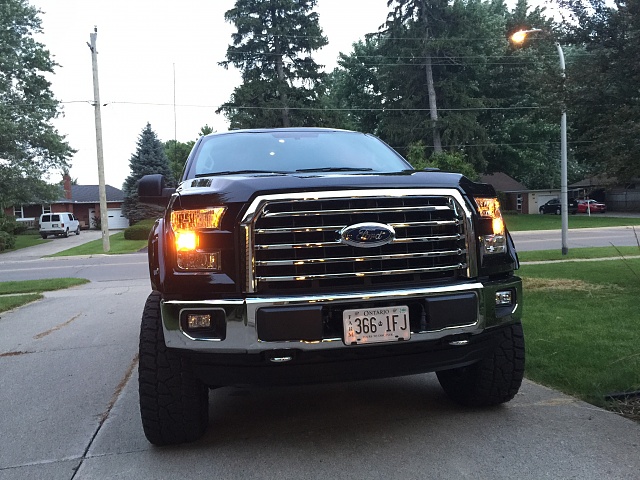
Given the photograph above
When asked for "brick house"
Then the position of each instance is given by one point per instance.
(81, 200)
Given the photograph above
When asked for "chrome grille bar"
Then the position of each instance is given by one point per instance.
(288, 246)
(430, 208)
(365, 274)
(366, 258)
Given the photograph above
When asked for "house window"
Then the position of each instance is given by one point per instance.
(46, 208)
(519, 203)
(18, 212)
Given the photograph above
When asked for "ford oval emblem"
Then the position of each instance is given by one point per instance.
(367, 235)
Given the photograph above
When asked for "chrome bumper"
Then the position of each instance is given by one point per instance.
(240, 314)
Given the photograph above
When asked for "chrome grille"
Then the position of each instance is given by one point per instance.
(294, 243)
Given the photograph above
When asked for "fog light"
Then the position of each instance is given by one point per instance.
(504, 297)
(195, 321)
(493, 244)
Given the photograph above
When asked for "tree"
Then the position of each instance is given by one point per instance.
(604, 105)
(149, 158)
(30, 147)
(272, 47)
(178, 152)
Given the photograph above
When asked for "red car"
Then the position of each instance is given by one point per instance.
(586, 206)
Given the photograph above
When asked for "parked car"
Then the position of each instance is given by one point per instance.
(60, 224)
(554, 206)
(586, 206)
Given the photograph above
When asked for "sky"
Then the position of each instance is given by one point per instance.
(142, 46)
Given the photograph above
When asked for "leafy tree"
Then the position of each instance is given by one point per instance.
(272, 47)
(447, 162)
(30, 147)
(603, 104)
(527, 88)
(149, 158)
(422, 79)
(178, 152)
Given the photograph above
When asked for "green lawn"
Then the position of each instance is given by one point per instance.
(579, 253)
(16, 294)
(24, 241)
(581, 324)
(117, 244)
(516, 222)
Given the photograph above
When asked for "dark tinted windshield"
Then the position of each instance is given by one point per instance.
(294, 151)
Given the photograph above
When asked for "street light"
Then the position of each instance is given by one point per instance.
(519, 37)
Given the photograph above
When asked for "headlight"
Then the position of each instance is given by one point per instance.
(492, 238)
(187, 226)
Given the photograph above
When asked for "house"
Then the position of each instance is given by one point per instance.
(515, 197)
(81, 200)
(617, 194)
(514, 194)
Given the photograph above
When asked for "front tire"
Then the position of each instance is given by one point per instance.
(174, 404)
(495, 379)
(77, 231)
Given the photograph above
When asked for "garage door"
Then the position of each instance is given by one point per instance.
(116, 219)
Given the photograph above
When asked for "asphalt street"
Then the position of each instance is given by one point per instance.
(68, 397)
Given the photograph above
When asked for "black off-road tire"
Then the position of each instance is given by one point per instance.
(43, 235)
(495, 379)
(174, 404)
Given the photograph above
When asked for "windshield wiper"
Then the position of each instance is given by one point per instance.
(334, 169)
(238, 172)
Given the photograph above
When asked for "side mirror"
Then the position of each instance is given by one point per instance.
(152, 189)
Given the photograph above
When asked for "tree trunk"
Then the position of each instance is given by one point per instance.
(433, 108)
(282, 81)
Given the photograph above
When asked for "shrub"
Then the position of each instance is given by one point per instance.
(7, 241)
(139, 231)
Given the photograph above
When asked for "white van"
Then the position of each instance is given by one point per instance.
(58, 224)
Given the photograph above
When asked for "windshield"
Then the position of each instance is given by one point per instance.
(289, 151)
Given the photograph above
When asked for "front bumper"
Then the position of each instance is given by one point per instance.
(238, 319)
(240, 356)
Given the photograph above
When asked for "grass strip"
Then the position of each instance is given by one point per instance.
(578, 253)
(15, 301)
(520, 222)
(117, 244)
(29, 286)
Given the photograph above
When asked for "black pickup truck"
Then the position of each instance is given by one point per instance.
(309, 255)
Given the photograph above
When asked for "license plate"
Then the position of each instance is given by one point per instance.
(54, 225)
(374, 325)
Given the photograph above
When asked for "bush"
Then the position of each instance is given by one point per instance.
(139, 231)
(7, 241)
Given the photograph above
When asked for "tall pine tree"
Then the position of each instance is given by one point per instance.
(273, 46)
(149, 158)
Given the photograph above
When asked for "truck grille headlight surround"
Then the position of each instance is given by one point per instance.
(493, 239)
(186, 226)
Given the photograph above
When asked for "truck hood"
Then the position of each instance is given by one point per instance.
(243, 188)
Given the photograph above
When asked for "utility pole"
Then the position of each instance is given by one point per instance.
(104, 216)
